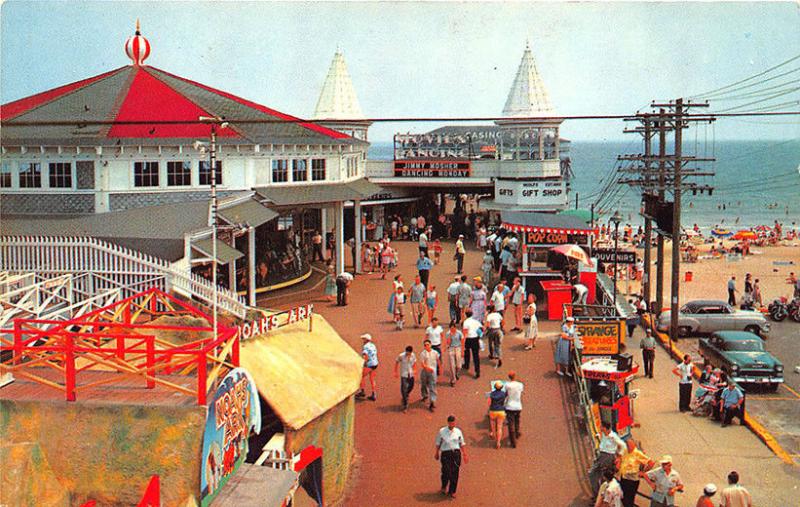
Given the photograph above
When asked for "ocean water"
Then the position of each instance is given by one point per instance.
(755, 182)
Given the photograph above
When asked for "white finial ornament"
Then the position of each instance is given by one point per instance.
(137, 47)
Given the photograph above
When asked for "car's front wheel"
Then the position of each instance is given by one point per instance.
(684, 331)
(773, 387)
(753, 329)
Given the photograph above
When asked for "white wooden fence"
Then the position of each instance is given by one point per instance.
(113, 266)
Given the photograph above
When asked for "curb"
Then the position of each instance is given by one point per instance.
(756, 427)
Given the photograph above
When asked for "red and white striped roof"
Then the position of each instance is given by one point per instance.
(554, 230)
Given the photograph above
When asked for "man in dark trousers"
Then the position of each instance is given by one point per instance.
(424, 265)
(342, 284)
(732, 291)
(471, 329)
(648, 346)
(450, 448)
(684, 372)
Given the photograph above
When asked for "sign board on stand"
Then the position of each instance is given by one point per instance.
(607, 255)
(547, 193)
(234, 413)
(600, 338)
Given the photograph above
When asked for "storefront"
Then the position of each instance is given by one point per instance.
(538, 234)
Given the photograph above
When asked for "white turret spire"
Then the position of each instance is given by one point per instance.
(338, 100)
(528, 96)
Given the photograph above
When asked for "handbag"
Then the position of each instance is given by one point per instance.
(526, 319)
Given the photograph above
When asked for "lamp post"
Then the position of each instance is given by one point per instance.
(214, 121)
(615, 219)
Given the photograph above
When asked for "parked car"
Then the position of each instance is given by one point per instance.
(742, 357)
(707, 316)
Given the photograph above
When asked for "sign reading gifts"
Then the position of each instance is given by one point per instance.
(545, 193)
(251, 329)
(600, 338)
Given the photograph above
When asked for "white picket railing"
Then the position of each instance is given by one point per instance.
(119, 266)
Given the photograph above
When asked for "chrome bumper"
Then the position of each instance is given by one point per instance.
(758, 380)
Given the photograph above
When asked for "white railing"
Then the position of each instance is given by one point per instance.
(113, 266)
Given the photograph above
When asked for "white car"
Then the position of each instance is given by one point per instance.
(706, 316)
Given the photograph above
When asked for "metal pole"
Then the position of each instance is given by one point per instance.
(648, 224)
(662, 152)
(676, 221)
(576, 199)
(213, 170)
(616, 241)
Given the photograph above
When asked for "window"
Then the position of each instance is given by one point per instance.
(285, 223)
(280, 171)
(318, 169)
(299, 170)
(30, 175)
(352, 166)
(179, 174)
(205, 173)
(145, 174)
(5, 175)
(60, 175)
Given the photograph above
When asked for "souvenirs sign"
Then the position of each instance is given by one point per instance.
(234, 413)
(432, 168)
(607, 255)
(600, 338)
(251, 329)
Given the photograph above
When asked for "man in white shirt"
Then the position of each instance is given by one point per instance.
(610, 446)
(405, 367)
(494, 333)
(430, 360)
(423, 243)
(513, 390)
(684, 371)
(460, 252)
(450, 445)
(498, 299)
(434, 333)
(581, 293)
(452, 299)
(471, 331)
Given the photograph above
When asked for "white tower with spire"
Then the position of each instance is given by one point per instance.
(528, 114)
(338, 101)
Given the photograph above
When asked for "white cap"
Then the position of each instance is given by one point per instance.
(710, 488)
(570, 318)
(366, 336)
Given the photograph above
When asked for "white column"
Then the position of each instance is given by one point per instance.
(339, 236)
(232, 275)
(357, 235)
(558, 144)
(541, 143)
(251, 266)
(323, 224)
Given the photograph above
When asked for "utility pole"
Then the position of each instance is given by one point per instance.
(672, 116)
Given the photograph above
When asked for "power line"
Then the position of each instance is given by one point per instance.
(790, 60)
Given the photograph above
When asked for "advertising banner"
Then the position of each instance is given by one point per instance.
(600, 338)
(432, 168)
(234, 413)
(536, 238)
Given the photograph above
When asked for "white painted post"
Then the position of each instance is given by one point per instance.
(357, 235)
(323, 223)
(339, 237)
(251, 266)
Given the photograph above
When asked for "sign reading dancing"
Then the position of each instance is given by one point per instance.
(432, 168)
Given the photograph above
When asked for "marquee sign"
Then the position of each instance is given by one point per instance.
(607, 255)
(432, 168)
(600, 338)
(251, 329)
(234, 413)
(540, 238)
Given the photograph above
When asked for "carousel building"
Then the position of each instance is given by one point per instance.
(119, 156)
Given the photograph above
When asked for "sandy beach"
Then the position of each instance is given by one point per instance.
(770, 264)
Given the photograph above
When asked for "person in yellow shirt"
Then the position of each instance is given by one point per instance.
(629, 464)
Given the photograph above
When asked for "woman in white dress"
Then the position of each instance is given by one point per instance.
(532, 325)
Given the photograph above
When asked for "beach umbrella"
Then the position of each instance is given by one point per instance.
(762, 228)
(721, 233)
(745, 235)
(573, 252)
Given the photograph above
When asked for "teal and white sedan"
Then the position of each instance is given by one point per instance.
(741, 355)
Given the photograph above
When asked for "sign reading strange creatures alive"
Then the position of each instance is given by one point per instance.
(600, 338)
(234, 413)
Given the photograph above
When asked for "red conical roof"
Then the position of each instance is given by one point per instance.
(137, 93)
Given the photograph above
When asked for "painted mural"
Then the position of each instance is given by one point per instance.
(234, 413)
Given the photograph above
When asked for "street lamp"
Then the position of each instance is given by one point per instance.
(616, 219)
(214, 121)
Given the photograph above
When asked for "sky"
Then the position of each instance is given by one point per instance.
(410, 59)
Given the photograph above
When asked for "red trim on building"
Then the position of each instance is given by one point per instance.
(18, 107)
(264, 109)
(148, 98)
